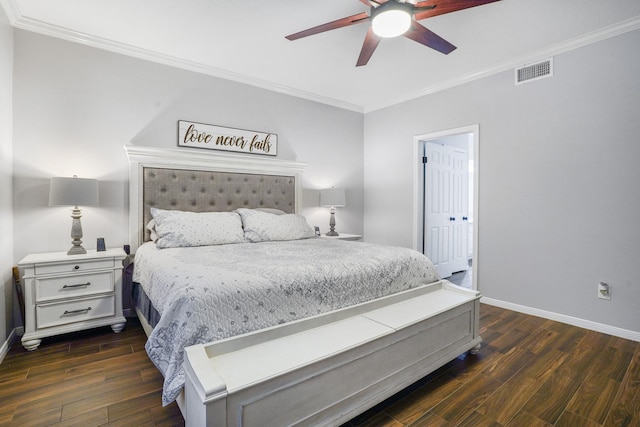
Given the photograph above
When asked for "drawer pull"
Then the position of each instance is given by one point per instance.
(82, 310)
(79, 285)
(77, 267)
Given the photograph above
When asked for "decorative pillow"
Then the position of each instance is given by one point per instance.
(178, 229)
(264, 227)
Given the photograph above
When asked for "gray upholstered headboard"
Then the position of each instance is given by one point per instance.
(203, 181)
(209, 191)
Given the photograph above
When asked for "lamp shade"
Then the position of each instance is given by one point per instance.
(73, 192)
(333, 197)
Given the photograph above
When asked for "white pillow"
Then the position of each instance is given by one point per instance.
(151, 226)
(272, 211)
(177, 229)
(265, 227)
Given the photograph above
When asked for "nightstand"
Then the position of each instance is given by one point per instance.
(67, 293)
(343, 236)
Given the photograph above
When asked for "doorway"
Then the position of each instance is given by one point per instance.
(446, 201)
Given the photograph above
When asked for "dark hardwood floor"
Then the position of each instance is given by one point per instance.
(529, 372)
(89, 378)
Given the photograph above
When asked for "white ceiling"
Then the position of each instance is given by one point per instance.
(243, 40)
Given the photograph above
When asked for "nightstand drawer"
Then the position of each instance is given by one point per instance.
(56, 314)
(57, 287)
(72, 267)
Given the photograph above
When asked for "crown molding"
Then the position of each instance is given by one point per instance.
(571, 44)
(21, 22)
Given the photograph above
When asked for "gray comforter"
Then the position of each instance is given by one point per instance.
(208, 293)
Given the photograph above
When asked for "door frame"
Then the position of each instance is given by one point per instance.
(418, 188)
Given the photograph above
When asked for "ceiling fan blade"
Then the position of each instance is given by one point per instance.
(371, 3)
(423, 6)
(446, 6)
(370, 44)
(344, 22)
(428, 38)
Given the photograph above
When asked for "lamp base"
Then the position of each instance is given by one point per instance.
(77, 250)
(76, 233)
(332, 223)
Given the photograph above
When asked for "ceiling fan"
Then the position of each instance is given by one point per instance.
(393, 18)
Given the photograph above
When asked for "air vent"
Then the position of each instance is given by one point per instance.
(537, 71)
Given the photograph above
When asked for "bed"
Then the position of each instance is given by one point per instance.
(243, 339)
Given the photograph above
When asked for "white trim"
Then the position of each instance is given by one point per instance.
(18, 21)
(212, 160)
(6, 346)
(575, 321)
(417, 187)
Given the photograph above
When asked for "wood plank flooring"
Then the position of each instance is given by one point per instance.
(529, 372)
(89, 378)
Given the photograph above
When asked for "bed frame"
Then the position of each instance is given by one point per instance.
(323, 370)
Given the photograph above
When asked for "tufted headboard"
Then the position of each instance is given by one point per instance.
(203, 181)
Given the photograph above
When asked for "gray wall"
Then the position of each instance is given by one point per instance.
(76, 106)
(558, 174)
(6, 164)
(559, 196)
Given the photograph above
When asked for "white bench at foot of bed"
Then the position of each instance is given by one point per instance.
(329, 368)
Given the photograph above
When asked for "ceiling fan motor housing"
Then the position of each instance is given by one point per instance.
(391, 19)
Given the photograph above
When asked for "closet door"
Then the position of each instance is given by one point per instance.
(446, 207)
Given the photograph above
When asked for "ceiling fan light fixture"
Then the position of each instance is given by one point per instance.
(391, 19)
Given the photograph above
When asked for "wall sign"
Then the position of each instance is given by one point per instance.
(200, 135)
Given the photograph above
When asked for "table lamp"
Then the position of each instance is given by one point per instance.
(332, 197)
(74, 192)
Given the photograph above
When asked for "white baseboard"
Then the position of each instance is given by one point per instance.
(581, 323)
(6, 346)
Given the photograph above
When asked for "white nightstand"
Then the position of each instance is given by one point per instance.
(343, 236)
(66, 293)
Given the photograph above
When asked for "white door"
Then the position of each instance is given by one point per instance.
(446, 207)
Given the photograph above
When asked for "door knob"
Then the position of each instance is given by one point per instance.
(452, 218)
(464, 218)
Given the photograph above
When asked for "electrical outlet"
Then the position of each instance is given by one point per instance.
(604, 291)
